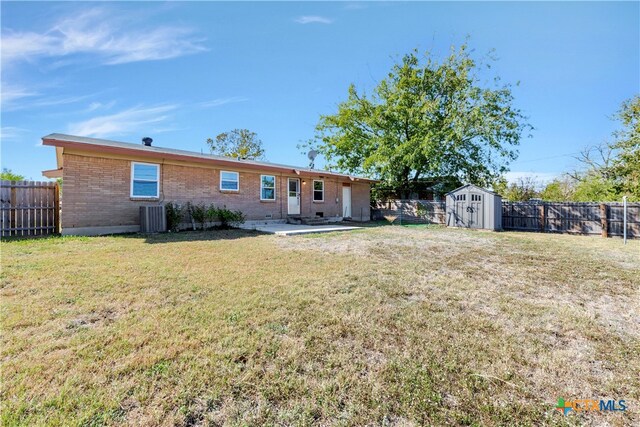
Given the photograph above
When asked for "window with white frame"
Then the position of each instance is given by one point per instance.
(229, 181)
(267, 187)
(318, 191)
(145, 180)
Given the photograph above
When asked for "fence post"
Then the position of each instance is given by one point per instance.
(13, 212)
(604, 220)
(624, 220)
(56, 208)
(542, 215)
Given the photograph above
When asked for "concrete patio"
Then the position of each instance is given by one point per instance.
(283, 229)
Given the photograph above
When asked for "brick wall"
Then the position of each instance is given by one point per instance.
(97, 192)
(360, 202)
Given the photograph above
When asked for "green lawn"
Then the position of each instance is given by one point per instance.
(382, 326)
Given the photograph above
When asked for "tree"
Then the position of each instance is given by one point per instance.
(425, 119)
(9, 175)
(595, 160)
(238, 143)
(594, 187)
(612, 169)
(523, 189)
(500, 185)
(626, 166)
(559, 190)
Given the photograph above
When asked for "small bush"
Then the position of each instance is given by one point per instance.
(174, 214)
(198, 212)
(229, 218)
(421, 210)
(201, 214)
(212, 213)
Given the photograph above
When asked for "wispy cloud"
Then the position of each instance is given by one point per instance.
(313, 19)
(222, 101)
(100, 106)
(12, 93)
(114, 38)
(45, 102)
(18, 98)
(359, 5)
(132, 120)
(11, 132)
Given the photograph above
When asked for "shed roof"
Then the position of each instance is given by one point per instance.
(105, 145)
(484, 190)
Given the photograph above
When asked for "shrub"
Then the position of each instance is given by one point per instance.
(422, 210)
(212, 213)
(229, 218)
(174, 214)
(198, 213)
(202, 214)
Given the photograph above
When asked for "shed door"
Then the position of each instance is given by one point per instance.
(460, 210)
(474, 210)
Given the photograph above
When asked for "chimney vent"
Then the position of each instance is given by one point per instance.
(147, 141)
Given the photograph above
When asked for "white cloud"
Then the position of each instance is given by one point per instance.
(359, 5)
(24, 45)
(313, 19)
(136, 119)
(38, 102)
(11, 93)
(100, 106)
(94, 106)
(11, 132)
(222, 101)
(115, 39)
(61, 100)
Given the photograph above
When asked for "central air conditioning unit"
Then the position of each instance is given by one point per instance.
(153, 219)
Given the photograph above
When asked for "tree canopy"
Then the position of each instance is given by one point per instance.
(238, 143)
(611, 170)
(626, 166)
(608, 171)
(523, 189)
(425, 119)
(9, 175)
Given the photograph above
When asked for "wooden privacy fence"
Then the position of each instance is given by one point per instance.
(29, 208)
(410, 211)
(604, 219)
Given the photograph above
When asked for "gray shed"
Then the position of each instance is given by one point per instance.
(474, 207)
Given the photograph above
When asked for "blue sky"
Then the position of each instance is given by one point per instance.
(183, 72)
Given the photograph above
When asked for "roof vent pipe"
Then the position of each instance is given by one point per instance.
(147, 141)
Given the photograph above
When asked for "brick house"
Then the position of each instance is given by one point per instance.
(105, 182)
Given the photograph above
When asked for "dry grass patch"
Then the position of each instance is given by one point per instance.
(388, 325)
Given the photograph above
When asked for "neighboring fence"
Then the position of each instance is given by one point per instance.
(409, 211)
(29, 208)
(605, 219)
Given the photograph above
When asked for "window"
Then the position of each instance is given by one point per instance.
(267, 187)
(229, 181)
(318, 191)
(144, 180)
